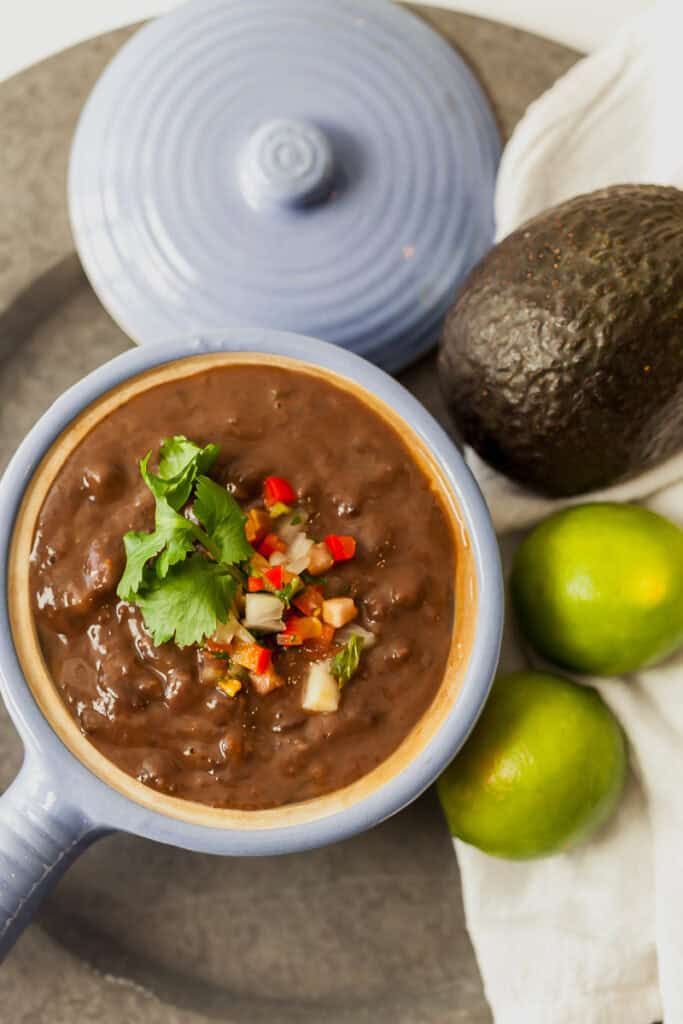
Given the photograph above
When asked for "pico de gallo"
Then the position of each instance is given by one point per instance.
(242, 584)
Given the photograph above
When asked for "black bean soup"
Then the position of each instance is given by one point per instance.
(279, 614)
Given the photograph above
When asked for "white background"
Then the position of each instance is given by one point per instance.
(33, 29)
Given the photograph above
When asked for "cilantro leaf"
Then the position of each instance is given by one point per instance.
(173, 538)
(223, 520)
(180, 535)
(188, 603)
(140, 547)
(177, 453)
(345, 662)
(180, 461)
(184, 597)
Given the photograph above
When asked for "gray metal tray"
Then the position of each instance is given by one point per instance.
(370, 930)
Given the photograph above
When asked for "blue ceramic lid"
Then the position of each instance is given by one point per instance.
(319, 166)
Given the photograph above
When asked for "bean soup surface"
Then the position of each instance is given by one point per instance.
(150, 709)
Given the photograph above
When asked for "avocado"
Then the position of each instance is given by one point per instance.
(562, 357)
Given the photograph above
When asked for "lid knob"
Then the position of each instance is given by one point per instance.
(286, 164)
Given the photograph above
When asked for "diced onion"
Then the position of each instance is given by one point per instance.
(278, 558)
(244, 635)
(225, 632)
(263, 612)
(288, 529)
(298, 554)
(321, 690)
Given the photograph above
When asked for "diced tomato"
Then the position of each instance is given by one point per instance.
(254, 584)
(309, 601)
(253, 657)
(341, 547)
(271, 542)
(276, 577)
(257, 525)
(301, 629)
(277, 489)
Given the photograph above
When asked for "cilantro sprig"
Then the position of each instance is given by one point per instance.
(345, 663)
(184, 575)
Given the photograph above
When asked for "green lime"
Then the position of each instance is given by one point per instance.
(544, 767)
(599, 588)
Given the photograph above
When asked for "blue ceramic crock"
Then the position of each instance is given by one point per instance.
(56, 806)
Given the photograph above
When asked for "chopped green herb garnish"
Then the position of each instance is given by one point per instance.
(188, 603)
(173, 538)
(223, 520)
(314, 581)
(289, 590)
(296, 520)
(345, 662)
(181, 597)
(177, 453)
(180, 462)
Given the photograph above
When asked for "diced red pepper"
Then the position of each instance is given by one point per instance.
(276, 488)
(271, 542)
(341, 547)
(263, 661)
(254, 584)
(309, 601)
(276, 577)
(253, 657)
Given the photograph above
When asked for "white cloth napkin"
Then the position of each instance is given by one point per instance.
(595, 936)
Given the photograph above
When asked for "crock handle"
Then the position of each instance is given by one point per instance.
(40, 836)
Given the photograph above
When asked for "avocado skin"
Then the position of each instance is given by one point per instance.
(562, 357)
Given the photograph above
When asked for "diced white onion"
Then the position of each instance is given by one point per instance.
(298, 554)
(225, 632)
(287, 529)
(344, 634)
(244, 635)
(278, 558)
(321, 690)
(263, 612)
